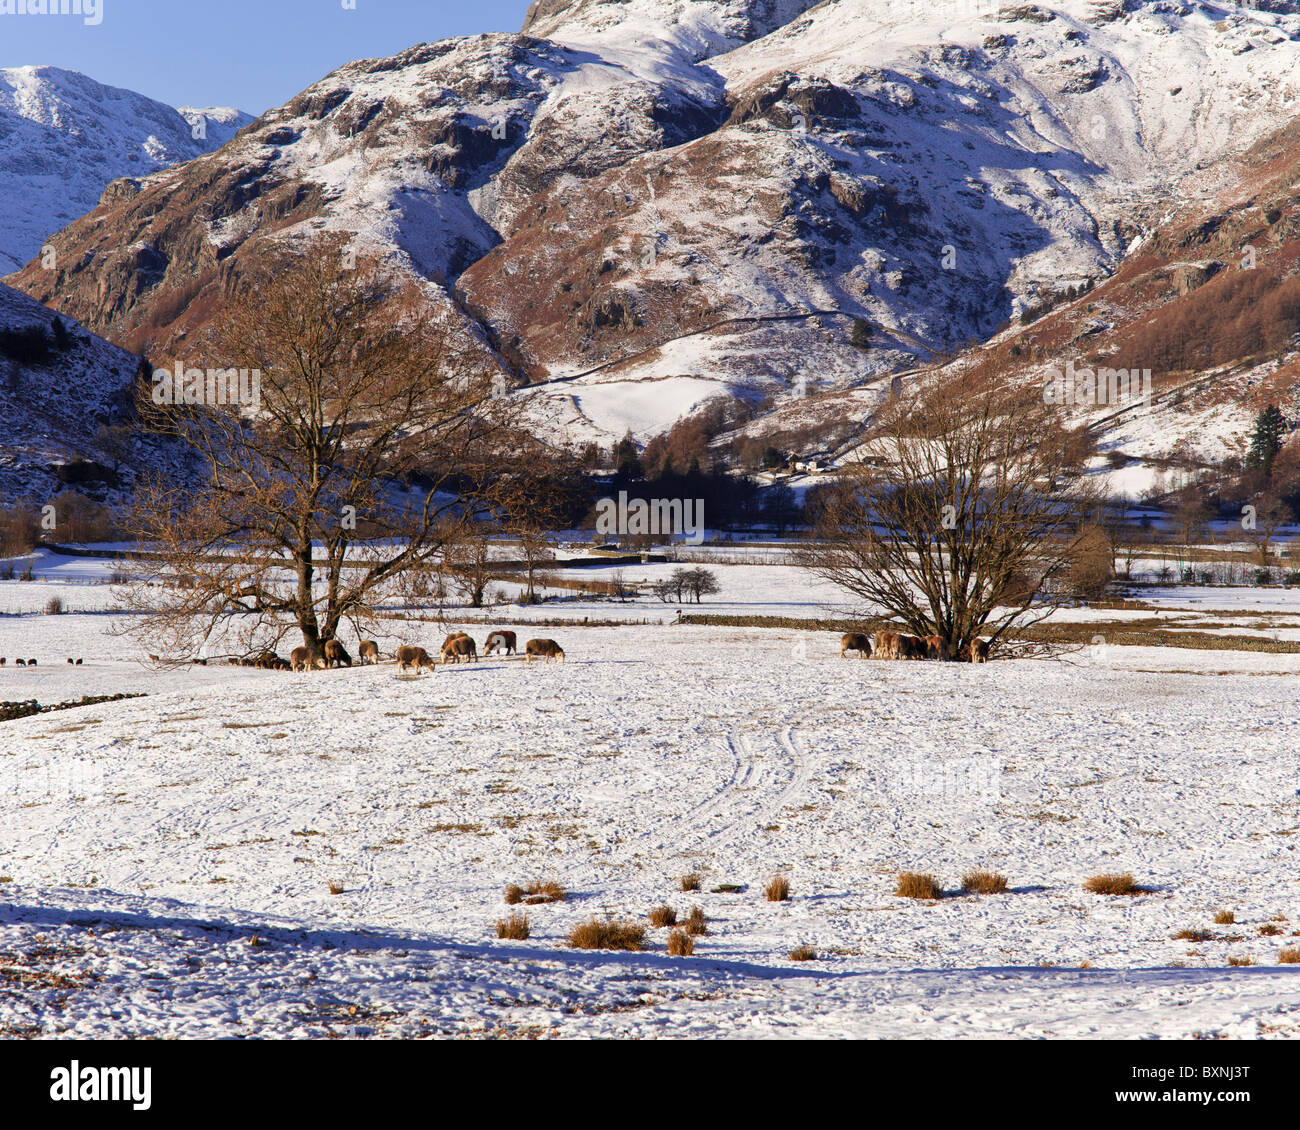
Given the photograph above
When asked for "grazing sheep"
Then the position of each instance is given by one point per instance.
(31, 663)
(336, 655)
(936, 647)
(546, 649)
(855, 641)
(415, 657)
(368, 652)
(21, 662)
(979, 651)
(503, 640)
(911, 647)
(69, 660)
(454, 648)
(78, 662)
(2, 660)
(267, 661)
(896, 645)
(306, 659)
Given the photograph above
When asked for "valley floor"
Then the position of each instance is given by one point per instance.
(168, 861)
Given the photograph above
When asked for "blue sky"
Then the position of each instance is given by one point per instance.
(253, 54)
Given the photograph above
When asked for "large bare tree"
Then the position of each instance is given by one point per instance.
(961, 513)
(370, 446)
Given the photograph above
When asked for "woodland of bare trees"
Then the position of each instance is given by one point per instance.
(963, 514)
(376, 445)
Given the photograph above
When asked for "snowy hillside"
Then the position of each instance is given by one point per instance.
(62, 392)
(64, 137)
(709, 193)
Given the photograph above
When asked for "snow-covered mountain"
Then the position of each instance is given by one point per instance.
(64, 137)
(639, 205)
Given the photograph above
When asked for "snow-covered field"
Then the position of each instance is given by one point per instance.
(167, 862)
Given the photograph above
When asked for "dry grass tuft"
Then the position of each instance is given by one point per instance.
(607, 935)
(777, 889)
(336, 888)
(535, 894)
(1268, 930)
(1237, 962)
(1112, 884)
(695, 922)
(984, 883)
(1290, 956)
(691, 882)
(803, 953)
(515, 927)
(681, 944)
(549, 891)
(913, 885)
(663, 916)
(1225, 918)
(1193, 936)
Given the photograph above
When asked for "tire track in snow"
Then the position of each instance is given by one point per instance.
(731, 808)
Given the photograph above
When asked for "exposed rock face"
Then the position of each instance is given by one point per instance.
(64, 395)
(706, 193)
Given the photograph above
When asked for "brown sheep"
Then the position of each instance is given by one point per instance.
(896, 645)
(368, 652)
(855, 641)
(306, 659)
(2, 661)
(546, 649)
(453, 638)
(22, 663)
(453, 649)
(911, 647)
(979, 651)
(336, 655)
(501, 640)
(415, 657)
(936, 647)
(887, 645)
(268, 661)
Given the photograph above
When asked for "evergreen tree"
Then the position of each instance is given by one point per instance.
(1267, 440)
(861, 335)
(627, 460)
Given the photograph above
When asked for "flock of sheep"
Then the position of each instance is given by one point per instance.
(455, 647)
(896, 645)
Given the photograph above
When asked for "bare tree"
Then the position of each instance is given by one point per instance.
(1270, 514)
(962, 510)
(700, 582)
(370, 449)
(542, 492)
(667, 589)
(469, 561)
(1191, 513)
